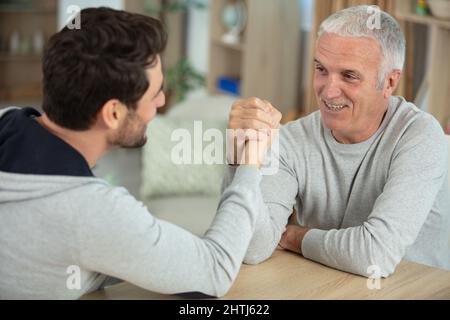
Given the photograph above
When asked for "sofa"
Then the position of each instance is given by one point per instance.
(187, 194)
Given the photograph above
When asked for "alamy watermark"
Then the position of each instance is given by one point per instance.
(199, 146)
(374, 21)
(73, 22)
(374, 280)
(73, 281)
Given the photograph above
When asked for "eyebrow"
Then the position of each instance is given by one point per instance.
(355, 72)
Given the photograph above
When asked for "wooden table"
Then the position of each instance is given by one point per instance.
(289, 276)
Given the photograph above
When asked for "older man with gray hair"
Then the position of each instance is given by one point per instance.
(367, 172)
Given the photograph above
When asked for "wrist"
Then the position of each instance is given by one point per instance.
(301, 238)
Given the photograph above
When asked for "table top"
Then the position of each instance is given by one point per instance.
(290, 276)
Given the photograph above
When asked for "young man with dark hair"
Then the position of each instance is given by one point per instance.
(102, 85)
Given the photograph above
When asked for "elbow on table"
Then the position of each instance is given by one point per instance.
(253, 259)
(370, 268)
(222, 280)
(376, 271)
(222, 290)
(257, 255)
(382, 265)
(380, 253)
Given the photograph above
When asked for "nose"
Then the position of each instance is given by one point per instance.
(162, 101)
(331, 89)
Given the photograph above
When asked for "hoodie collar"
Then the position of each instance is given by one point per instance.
(28, 148)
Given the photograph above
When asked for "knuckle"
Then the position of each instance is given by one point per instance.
(232, 124)
(259, 114)
(279, 116)
(236, 104)
(254, 100)
(254, 123)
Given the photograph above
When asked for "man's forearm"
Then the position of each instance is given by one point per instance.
(352, 250)
(292, 238)
(266, 237)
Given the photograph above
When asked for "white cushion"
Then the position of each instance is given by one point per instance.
(201, 105)
(184, 195)
(163, 176)
(160, 175)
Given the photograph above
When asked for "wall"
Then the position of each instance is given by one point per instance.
(198, 33)
(197, 30)
(198, 37)
(198, 26)
(306, 12)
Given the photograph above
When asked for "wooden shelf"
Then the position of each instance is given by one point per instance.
(437, 49)
(238, 47)
(266, 60)
(428, 20)
(5, 57)
(22, 72)
(27, 7)
(26, 11)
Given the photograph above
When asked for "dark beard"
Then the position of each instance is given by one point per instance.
(127, 138)
(134, 145)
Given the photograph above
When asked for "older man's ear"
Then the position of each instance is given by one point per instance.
(391, 83)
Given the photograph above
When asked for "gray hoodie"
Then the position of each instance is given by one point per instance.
(63, 231)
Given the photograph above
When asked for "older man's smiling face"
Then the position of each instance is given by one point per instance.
(345, 84)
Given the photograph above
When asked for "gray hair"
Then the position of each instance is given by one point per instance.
(356, 22)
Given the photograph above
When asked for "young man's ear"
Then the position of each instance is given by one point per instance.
(112, 113)
(392, 82)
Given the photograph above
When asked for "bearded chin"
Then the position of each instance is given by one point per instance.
(139, 143)
(130, 138)
(128, 143)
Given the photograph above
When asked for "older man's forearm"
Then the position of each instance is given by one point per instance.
(352, 250)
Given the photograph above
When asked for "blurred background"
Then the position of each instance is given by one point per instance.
(244, 48)
(219, 50)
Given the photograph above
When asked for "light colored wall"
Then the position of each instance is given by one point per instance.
(306, 14)
(198, 37)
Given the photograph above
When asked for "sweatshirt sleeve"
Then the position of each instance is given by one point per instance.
(120, 238)
(417, 172)
(279, 190)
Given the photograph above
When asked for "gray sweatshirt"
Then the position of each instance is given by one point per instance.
(370, 203)
(53, 226)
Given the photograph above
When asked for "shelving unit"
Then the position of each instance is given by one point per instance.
(267, 59)
(21, 72)
(19, 58)
(437, 76)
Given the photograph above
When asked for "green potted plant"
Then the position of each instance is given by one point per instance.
(180, 79)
